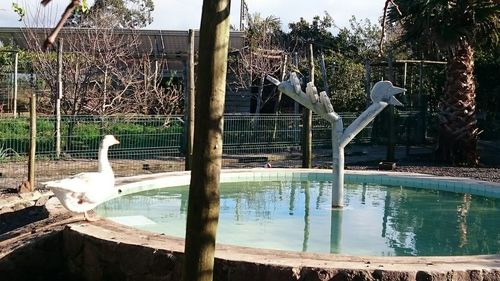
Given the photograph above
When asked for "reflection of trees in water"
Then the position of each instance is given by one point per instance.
(145, 201)
(248, 199)
(291, 204)
(462, 211)
(440, 223)
(157, 205)
(414, 221)
(261, 200)
(319, 198)
(256, 200)
(307, 199)
(386, 208)
(363, 194)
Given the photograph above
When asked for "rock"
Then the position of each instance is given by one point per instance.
(24, 187)
(18, 206)
(4, 210)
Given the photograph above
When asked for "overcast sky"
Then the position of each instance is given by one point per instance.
(186, 14)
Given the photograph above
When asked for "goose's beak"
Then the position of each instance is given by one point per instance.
(395, 101)
(395, 91)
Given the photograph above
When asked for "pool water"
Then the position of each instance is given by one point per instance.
(376, 220)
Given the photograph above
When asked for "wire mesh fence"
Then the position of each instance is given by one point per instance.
(152, 143)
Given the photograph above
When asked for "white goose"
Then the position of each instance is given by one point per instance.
(83, 192)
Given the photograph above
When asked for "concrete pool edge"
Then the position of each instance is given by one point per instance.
(448, 264)
(112, 242)
(453, 184)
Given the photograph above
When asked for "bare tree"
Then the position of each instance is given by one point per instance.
(157, 95)
(104, 73)
(262, 56)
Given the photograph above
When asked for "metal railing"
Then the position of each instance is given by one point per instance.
(152, 143)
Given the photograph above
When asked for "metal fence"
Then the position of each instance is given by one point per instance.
(153, 143)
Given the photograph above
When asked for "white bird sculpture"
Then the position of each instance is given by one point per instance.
(382, 95)
(320, 104)
(83, 192)
(385, 91)
(312, 92)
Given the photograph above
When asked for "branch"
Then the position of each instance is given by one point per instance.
(67, 13)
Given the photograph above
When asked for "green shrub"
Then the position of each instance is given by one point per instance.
(85, 134)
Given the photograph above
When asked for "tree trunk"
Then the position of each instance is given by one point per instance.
(203, 206)
(259, 94)
(278, 99)
(459, 132)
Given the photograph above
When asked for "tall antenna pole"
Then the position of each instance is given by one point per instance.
(242, 14)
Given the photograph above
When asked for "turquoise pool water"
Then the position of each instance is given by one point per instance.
(376, 220)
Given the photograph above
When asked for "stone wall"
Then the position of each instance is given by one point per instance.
(41, 259)
(93, 259)
(72, 255)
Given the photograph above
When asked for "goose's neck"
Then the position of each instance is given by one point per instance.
(103, 163)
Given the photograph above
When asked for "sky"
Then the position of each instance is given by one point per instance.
(186, 14)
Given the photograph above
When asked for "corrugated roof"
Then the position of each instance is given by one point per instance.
(162, 42)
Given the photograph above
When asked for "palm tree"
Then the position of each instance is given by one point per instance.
(455, 27)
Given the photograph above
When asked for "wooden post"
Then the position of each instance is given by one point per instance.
(296, 105)
(58, 99)
(368, 86)
(278, 99)
(295, 62)
(31, 161)
(391, 143)
(16, 60)
(323, 74)
(422, 101)
(190, 102)
(307, 120)
(283, 74)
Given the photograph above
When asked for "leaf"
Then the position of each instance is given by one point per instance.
(18, 10)
(85, 6)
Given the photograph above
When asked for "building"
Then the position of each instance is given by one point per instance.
(171, 45)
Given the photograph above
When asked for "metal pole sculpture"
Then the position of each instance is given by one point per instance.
(382, 94)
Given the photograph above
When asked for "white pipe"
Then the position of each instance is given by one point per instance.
(337, 165)
(382, 94)
(361, 122)
(16, 60)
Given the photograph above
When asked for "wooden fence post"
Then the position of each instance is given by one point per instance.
(31, 161)
(391, 141)
(190, 102)
(16, 62)
(58, 99)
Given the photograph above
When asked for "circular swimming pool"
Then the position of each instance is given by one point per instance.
(286, 211)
